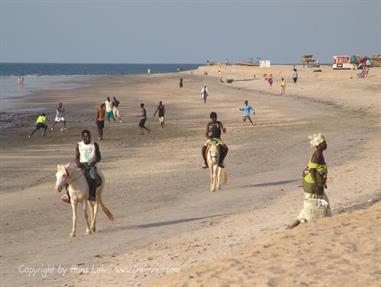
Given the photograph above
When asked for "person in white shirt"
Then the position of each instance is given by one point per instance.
(59, 116)
(109, 110)
(204, 93)
(87, 155)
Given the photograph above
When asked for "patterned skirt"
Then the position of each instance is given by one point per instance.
(314, 207)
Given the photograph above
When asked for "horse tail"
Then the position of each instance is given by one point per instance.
(105, 210)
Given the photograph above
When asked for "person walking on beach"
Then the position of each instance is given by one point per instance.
(246, 111)
(20, 82)
(40, 124)
(283, 87)
(161, 110)
(101, 120)
(316, 204)
(115, 109)
(295, 75)
(213, 133)
(181, 83)
(87, 155)
(143, 116)
(204, 93)
(59, 116)
(109, 110)
(220, 76)
(269, 80)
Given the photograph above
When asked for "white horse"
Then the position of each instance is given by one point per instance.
(78, 189)
(213, 155)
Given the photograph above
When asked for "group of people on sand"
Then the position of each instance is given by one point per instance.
(294, 76)
(42, 121)
(316, 204)
(109, 109)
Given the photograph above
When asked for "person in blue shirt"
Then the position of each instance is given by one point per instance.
(246, 111)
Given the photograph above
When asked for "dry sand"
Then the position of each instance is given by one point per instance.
(167, 219)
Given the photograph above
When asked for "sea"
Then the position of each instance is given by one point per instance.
(40, 76)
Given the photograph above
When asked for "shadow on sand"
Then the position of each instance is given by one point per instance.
(269, 183)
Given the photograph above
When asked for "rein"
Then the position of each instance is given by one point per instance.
(73, 180)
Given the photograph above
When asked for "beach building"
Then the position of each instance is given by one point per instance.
(342, 62)
(309, 61)
(265, 64)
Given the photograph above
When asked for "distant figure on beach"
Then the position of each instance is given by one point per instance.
(270, 80)
(181, 83)
(143, 116)
(40, 124)
(316, 204)
(101, 120)
(220, 76)
(148, 71)
(20, 81)
(295, 75)
(204, 93)
(246, 111)
(115, 109)
(283, 87)
(161, 110)
(87, 155)
(213, 134)
(59, 116)
(109, 110)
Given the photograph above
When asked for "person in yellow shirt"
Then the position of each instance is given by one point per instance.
(314, 184)
(40, 124)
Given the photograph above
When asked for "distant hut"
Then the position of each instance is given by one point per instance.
(308, 60)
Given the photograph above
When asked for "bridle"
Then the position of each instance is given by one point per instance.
(66, 181)
(210, 152)
(67, 173)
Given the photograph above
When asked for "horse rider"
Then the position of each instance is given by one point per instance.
(86, 157)
(213, 134)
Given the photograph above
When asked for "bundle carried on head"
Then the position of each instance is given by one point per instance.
(316, 139)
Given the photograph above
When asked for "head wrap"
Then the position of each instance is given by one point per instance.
(315, 140)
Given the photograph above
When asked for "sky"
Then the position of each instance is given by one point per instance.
(186, 31)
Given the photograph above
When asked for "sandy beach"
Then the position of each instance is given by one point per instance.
(167, 220)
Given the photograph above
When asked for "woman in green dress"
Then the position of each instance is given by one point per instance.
(316, 204)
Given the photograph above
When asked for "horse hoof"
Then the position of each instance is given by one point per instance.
(72, 235)
(93, 229)
(88, 231)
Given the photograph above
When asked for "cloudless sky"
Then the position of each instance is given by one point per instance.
(185, 31)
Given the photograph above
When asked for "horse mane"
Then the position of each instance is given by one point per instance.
(72, 169)
(214, 148)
